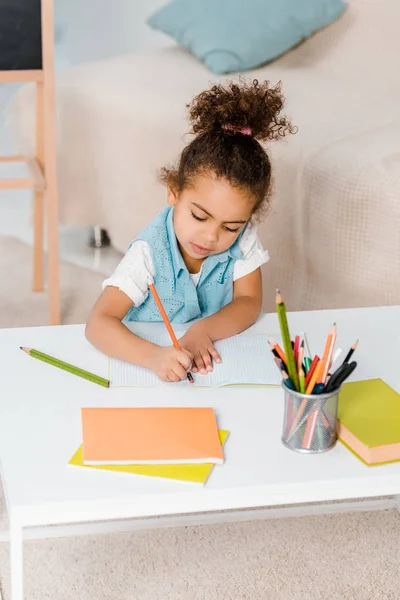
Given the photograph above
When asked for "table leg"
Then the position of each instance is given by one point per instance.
(16, 560)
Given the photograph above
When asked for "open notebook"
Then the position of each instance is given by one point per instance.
(246, 359)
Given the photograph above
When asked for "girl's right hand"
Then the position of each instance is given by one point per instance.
(170, 364)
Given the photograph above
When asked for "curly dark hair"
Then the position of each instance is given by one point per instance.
(230, 121)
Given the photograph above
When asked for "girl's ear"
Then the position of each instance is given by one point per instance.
(172, 196)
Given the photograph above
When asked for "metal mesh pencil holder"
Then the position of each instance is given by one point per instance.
(309, 423)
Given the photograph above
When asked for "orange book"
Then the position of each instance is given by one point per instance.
(122, 436)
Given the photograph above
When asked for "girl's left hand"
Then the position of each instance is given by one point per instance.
(200, 345)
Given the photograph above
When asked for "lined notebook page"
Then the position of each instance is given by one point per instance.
(246, 358)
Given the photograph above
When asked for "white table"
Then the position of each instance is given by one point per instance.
(40, 429)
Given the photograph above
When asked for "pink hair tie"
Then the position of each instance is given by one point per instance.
(242, 130)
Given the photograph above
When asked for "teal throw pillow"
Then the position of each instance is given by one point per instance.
(237, 35)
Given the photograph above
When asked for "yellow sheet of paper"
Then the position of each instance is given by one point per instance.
(191, 473)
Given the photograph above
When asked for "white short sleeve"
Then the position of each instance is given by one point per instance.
(254, 254)
(133, 273)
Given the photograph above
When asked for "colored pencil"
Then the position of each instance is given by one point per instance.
(287, 380)
(307, 364)
(314, 378)
(278, 349)
(304, 402)
(335, 356)
(324, 419)
(55, 362)
(311, 370)
(318, 411)
(274, 352)
(280, 364)
(289, 415)
(167, 323)
(327, 356)
(313, 416)
(296, 347)
(307, 344)
(300, 356)
(303, 416)
(298, 416)
(291, 365)
(302, 380)
(318, 388)
(310, 429)
(350, 352)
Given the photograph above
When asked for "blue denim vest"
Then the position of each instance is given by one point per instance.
(182, 300)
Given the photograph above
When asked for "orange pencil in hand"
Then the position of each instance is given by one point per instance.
(167, 323)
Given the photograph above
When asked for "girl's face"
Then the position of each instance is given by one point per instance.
(208, 218)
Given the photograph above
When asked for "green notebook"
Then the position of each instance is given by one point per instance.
(369, 420)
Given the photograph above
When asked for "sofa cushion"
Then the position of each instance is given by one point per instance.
(237, 35)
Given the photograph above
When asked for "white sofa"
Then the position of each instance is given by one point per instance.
(333, 231)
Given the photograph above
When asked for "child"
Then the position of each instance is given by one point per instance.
(202, 251)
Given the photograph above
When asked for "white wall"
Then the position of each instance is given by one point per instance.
(96, 29)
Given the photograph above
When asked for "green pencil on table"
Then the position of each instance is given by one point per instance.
(55, 362)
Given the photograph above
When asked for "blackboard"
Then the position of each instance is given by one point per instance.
(20, 35)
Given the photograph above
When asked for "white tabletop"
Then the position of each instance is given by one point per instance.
(40, 429)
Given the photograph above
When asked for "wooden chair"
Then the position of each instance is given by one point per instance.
(42, 167)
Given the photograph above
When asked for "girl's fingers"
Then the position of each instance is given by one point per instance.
(215, 354)
(183, 359)
(198, 361)
(173, 377)
(180, 372)
(207, 360)
(189, 366)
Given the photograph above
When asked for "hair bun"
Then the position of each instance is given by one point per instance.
(237, 106)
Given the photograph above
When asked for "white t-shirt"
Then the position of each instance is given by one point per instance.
(133, 273)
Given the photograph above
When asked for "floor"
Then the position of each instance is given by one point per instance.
(16, 211)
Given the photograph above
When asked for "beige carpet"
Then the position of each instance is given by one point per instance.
(340, 557)
(346, 557)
